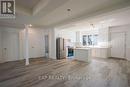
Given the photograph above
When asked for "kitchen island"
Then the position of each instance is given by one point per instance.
(82, 54)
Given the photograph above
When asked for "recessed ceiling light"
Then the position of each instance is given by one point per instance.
(68, 9)
(30, 25)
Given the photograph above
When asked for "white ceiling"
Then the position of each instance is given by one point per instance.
(116, 18)
(54, 12)
(29, 4)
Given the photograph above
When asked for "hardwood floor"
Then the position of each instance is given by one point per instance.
(65, 73)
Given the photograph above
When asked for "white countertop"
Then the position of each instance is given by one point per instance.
(89, 47)
(82, 48)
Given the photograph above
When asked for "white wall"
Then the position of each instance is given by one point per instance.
(103, 40)
(36, 42)
(13, 40)
(52, 42)
(126, 29)
(66, 34)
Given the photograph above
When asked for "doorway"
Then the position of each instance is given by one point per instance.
(46, 46)
(118, 45)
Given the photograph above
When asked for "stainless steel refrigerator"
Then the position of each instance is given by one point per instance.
(60, 49)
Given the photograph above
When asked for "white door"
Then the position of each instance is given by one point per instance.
(118, 45)
(10, 46)
(36, 44)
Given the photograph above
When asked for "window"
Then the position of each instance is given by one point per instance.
(89, 40)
